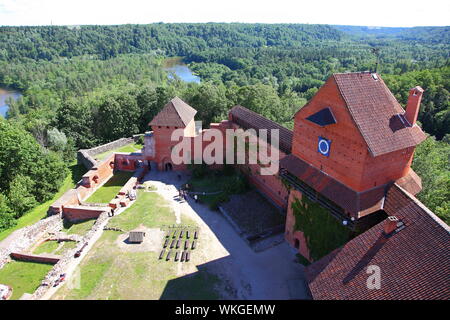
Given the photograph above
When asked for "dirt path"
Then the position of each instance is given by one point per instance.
(270, 274)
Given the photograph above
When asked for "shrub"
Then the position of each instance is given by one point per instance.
(199, 170)
(6, 216)
(57, 140)
(140, 140)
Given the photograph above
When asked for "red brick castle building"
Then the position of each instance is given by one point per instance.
(350, 156)
(345, 184)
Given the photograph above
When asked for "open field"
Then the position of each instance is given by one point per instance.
(114, 269)
(23, 277)
(133, 147)
(111, 188)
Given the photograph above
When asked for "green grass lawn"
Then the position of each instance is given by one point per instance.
(54, 247)
(40, 212)
(47, 247)
(23, 277)
(109, 272)
(150, 209)
(66, 245)
(111, 188)
(80, 228)
(133, 147)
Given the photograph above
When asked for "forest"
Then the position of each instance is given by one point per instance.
(87, 85)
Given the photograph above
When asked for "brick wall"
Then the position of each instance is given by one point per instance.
(34, 258)
(27, 236)
(79, 213)
(86, 156)
(294, 237)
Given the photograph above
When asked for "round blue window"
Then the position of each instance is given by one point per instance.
(323, 146)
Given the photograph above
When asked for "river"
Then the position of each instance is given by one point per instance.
(5, 94)
(180, 69)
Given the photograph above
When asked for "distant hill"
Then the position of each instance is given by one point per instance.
(423, 34)
(49, 42)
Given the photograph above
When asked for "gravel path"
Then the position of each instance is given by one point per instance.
(270, 274)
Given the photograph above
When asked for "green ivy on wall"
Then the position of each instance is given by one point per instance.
(323, 233)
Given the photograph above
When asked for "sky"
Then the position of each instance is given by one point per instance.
(389, 13)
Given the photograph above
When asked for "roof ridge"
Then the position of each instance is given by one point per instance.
(261, 116)
(176, 112)
(430, 213)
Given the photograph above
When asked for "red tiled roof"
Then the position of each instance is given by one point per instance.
(411, 182)
(176, 113)
(247, 119)
(332, 189)
(414, 261)
(377, 114)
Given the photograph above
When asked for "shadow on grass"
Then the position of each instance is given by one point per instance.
(118, 179)
(200, 285)
(78, 227)
(77, 170)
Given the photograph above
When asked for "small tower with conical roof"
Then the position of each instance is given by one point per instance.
(176, 114)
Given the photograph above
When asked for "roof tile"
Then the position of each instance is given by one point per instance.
(176, 113)
(377, 114)
(248, 119)
(414, 261)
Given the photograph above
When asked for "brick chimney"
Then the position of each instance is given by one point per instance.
(413, 106)
(390, 224)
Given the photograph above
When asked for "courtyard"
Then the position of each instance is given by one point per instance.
(111, 188)
(222, 266)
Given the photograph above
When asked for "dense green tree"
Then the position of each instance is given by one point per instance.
(117, 117)
(210, 101)
(74, 118)
(29, 173)
(431, 162)
(20, 194)
(56, 140)
(7, 219)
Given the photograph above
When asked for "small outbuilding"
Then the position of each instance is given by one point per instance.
(137, 235)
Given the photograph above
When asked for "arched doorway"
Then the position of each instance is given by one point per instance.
(168, 166)
(297, 244)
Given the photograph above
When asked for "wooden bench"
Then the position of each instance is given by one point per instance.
(168, 255)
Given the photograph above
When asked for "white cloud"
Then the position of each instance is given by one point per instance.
(353, 12)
